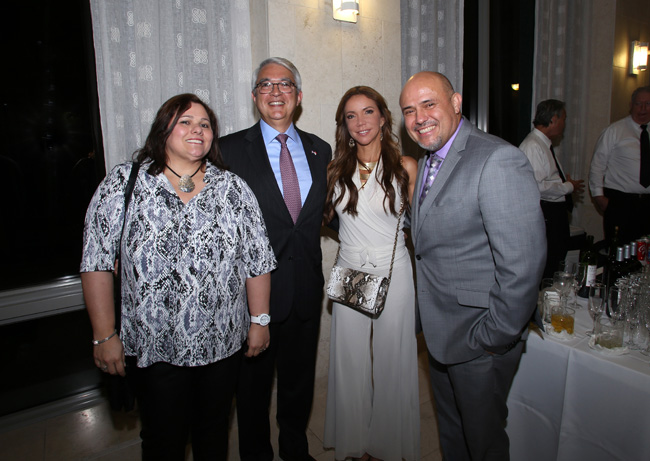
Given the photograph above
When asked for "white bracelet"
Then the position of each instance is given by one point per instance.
(100, 341)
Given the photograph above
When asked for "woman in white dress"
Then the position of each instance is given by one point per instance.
(373, 409)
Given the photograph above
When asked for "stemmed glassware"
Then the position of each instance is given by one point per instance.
(637, 291)
(596, 303)
(646, 322)
(563, 283)
(615, 308)
(628, 304)
(579, 271)
(644, 307)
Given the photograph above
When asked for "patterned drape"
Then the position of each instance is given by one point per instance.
(562, 70)
(432, 38)
(149, 50)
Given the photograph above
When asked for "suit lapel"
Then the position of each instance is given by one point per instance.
(314, 165)
(264, 173)
(451, 161)
(415, 208)
(264, 176)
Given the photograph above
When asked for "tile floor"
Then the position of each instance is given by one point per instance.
(95, 433)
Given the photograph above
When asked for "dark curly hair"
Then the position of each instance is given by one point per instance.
(341, 169)
(162, 127)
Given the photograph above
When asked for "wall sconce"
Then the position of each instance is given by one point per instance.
(345, 10)
(638, 56)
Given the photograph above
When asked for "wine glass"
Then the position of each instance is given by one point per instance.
(563, 282)
(596, 303)
(615, 305)
(579, 271)
(646, 323)
(635, 319)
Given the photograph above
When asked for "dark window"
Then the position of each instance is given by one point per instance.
(51, 161)
(50, 144)
(512, 26)
(46, 359)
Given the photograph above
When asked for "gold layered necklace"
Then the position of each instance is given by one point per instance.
(365, 170)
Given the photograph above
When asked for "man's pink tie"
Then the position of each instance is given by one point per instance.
(290, 185)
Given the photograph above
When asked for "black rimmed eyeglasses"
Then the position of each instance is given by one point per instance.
(267, 87)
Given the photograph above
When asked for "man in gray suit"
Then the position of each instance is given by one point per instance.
(480, 248)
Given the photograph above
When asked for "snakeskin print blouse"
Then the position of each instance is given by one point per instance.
(184, 266)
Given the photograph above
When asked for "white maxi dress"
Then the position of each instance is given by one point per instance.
(372, 396)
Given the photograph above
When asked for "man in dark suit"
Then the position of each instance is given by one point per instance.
(480, 247)
(288, 175)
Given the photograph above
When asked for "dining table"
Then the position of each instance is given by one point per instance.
(572, 400)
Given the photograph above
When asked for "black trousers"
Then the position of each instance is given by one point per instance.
(292, 353)
(178, 402)
(558, 235)
(630, 212)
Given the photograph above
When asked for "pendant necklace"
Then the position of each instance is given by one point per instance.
(367, 167)
(185, 183)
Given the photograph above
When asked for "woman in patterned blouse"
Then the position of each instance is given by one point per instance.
(195, 265)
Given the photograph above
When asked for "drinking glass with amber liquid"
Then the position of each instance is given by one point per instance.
(563, 319)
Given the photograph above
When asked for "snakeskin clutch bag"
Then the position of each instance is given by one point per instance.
(359, 290)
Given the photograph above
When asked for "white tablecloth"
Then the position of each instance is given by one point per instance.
(569, 402)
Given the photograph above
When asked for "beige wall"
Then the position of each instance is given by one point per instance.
(632, 23)
(331, 56)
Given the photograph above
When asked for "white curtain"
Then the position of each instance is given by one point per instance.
(562, 71)
(149, 50)
(432, 38)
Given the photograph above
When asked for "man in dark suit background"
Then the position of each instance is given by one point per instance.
(480, 246)
(258, 155)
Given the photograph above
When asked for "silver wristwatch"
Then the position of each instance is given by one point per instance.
(262, 319)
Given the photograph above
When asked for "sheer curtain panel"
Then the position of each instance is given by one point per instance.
(432, 38)
(149, 50)
(562, 71)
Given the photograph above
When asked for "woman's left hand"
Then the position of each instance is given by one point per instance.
(258, 340)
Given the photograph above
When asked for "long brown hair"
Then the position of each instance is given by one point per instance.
(342, 168)
(162, 127)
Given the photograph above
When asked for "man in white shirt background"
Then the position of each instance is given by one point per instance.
(555, 187)
(619, 178)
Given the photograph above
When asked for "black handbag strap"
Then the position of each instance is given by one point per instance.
(392, 258)
(128, 192)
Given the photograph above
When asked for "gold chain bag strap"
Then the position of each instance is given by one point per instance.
(359, 290)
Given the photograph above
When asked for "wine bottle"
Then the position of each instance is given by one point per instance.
(588, 258)
(616, 269)
(614, 244)
(633, 264)
(611, 256)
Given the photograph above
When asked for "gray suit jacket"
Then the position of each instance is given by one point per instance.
(480, 248)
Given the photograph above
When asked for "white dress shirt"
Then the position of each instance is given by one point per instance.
(537, 148)
(617, 159)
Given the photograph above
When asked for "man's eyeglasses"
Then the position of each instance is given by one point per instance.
(267, 87)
